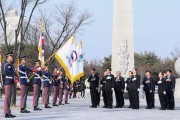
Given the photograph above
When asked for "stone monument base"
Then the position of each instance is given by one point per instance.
(177, 89)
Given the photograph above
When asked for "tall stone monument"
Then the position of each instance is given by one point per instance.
(122, 37)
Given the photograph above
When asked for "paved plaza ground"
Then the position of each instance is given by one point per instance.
(79, 110)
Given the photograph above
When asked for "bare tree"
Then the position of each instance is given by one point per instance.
(62, 23)
(21, 29)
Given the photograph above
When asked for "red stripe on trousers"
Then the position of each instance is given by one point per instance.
(22, 95)
(54, 96)
(34, 95)
(60, 95)
(66, 95)
(45, 94)
(7, 89)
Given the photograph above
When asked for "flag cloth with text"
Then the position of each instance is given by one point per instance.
(80, 72)
(41, 48)
(67, 57)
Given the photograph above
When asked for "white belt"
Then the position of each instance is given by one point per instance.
(37, 77)
(24, 77)
(9, 77)
(46, 80)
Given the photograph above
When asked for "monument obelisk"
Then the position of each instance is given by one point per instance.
(122, 37)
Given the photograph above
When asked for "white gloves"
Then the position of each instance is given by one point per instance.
(159, 82)
(138, 89)
(112, 88)
(134, 79)
(164, 92)
(39, 68)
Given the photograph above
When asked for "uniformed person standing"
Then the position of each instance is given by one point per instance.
(8, 84)
(94, 82)
(170, 88)
(161, 83)
(38, 73)
(119, 85)
(46, 86)
(23, 71)
(55, 86)
(103, 83)
(149, 86)
(129, 88)
(109, 88)
(66, 90)
(61, 87)
(135, 87)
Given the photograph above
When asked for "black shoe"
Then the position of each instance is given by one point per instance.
(104, 107)
(110, 107)
(9, 116)
(67, 103)
(36, 108)
(47, 106)
(61, 103)
(24, 111)
(55, 104)
(129, 107)
(162, 109)
(116, 107)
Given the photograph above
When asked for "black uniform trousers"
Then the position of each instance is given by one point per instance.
(109, 95)
(104, 98)
(170, 99)
(130, 98)
(119, 98)
(135, 99)
(94, 93)
(98, 98)
(149, 99)
(162, 99)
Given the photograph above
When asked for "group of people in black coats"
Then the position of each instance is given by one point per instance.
(108, 83)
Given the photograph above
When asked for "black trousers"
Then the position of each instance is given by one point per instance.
(170, 99)
(98, 98)
(104, 98)
(162, 99)
(135, 99)
(149, 98)
(109, 95)
(119, 98)
(93, 92)
(130, 98)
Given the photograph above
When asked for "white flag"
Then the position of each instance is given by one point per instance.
(67, 57)
(80, 60)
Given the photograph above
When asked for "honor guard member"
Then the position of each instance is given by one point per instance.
(135, 87)
(8, 84)
(148, 83)
(161, 83)
(61, 87)
(23, 76)
(66, 90)
(46, 86)
(129, 88)
(55, 86)
(103, 83)
(170, 88)
(94, 82)
(119, 85)
(37, 84)
(109, 88)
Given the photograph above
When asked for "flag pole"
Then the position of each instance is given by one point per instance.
(56, 51)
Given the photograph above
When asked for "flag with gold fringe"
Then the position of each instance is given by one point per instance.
(67, 57)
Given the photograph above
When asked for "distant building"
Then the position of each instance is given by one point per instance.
(12, 19)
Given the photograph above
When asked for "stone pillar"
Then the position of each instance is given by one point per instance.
(122, 37)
